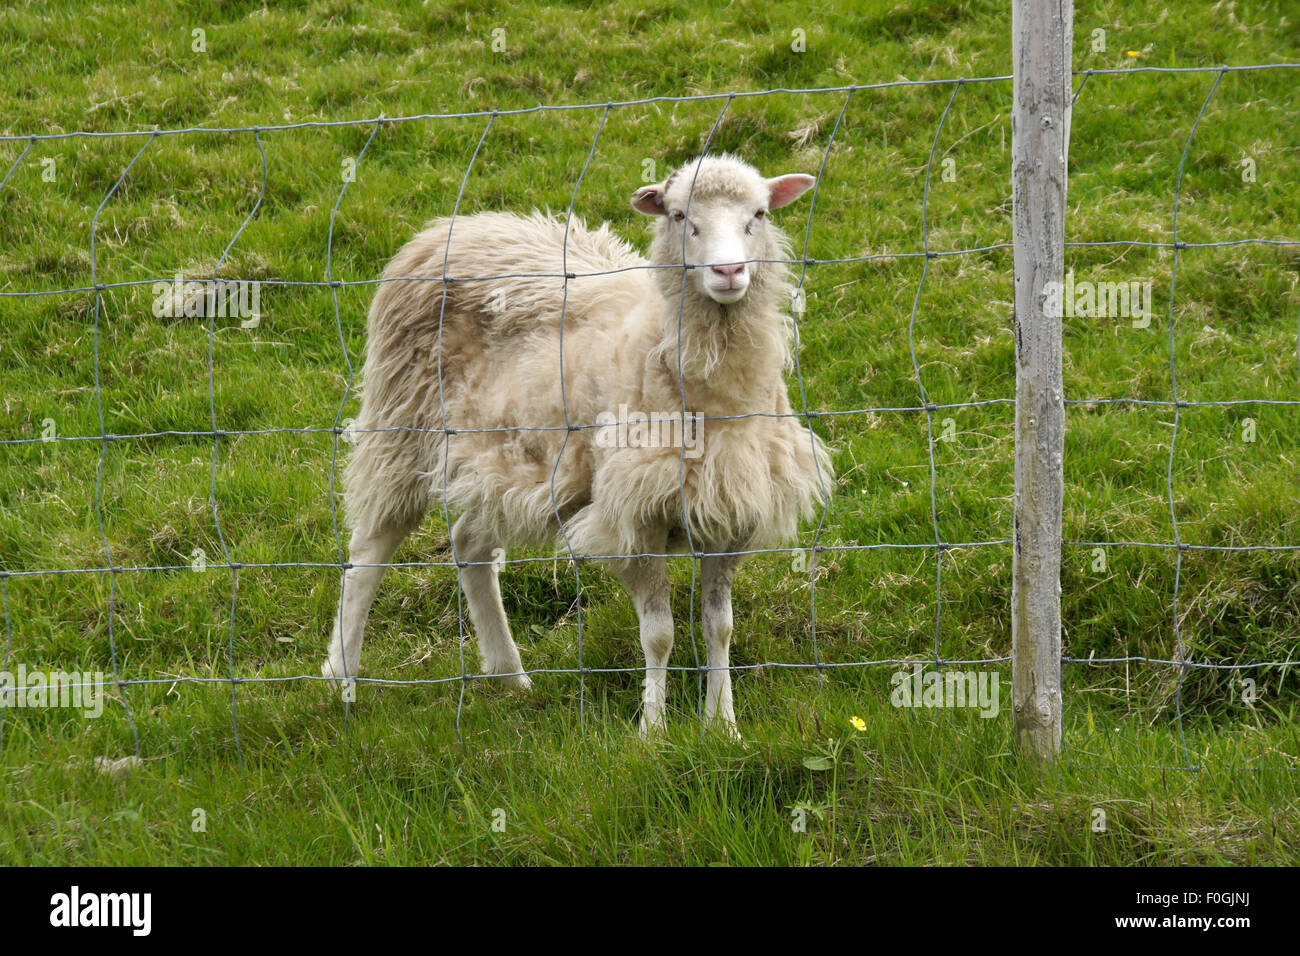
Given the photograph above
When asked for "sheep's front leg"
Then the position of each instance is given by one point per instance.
(718, 573)
(647, 580)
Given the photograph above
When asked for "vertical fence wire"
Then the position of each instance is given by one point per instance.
(1173, 439)
(4, 572)
(681, 387)
(113, 571)
(568, 422)
(447, 432)
(939, 545)
(336, 431)
(800, 299)
(216, 451)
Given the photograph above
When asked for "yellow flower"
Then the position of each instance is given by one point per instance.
(858, 723)
(1133, 53)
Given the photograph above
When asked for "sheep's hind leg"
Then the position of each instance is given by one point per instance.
(359, 584)
(718, 573)
(647, 580)
(497, 650)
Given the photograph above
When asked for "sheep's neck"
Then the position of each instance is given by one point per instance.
(730, 360)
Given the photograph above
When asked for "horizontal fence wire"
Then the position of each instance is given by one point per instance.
(347, 432)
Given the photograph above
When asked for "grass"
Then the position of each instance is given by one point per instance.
(391, 780)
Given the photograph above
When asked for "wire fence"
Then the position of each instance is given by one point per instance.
(939, 546)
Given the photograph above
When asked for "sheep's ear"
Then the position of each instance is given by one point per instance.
(650, 200)
(786, 189)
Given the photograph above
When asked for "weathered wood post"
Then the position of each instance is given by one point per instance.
(1042, 33)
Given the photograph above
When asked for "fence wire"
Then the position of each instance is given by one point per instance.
(808, 415)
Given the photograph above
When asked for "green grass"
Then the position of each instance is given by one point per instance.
(391, 781)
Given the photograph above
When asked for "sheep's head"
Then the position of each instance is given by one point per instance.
(721, 223)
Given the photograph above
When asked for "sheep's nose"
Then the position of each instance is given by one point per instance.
(730, 271)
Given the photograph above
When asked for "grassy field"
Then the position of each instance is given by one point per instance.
(549, 777)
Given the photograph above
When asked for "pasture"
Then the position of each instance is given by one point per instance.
(830, 772)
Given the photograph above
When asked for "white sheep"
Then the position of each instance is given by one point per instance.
(480, 358)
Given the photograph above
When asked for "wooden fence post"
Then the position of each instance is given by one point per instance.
(1042, 33)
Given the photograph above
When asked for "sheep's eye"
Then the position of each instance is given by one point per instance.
(678, 216)
(760, 214)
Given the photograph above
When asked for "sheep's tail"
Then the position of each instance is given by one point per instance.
(396, 460)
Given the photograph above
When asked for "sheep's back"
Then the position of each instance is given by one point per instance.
(493, 347)
(507, 271)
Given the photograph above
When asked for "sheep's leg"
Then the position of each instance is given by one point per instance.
(359, 585)
(647, 580)
(497, 650)
(717, 573)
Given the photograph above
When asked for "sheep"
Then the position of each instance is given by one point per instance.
(454, 366)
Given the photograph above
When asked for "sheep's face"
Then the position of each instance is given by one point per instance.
(721, 224)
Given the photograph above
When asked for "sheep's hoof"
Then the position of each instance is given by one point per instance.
(725, 728)
(512, 679)
(519, 682)
(335, 677)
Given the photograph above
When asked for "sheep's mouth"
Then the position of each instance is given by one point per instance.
(726, 294)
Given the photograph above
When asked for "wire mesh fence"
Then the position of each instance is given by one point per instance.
(341, 430)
